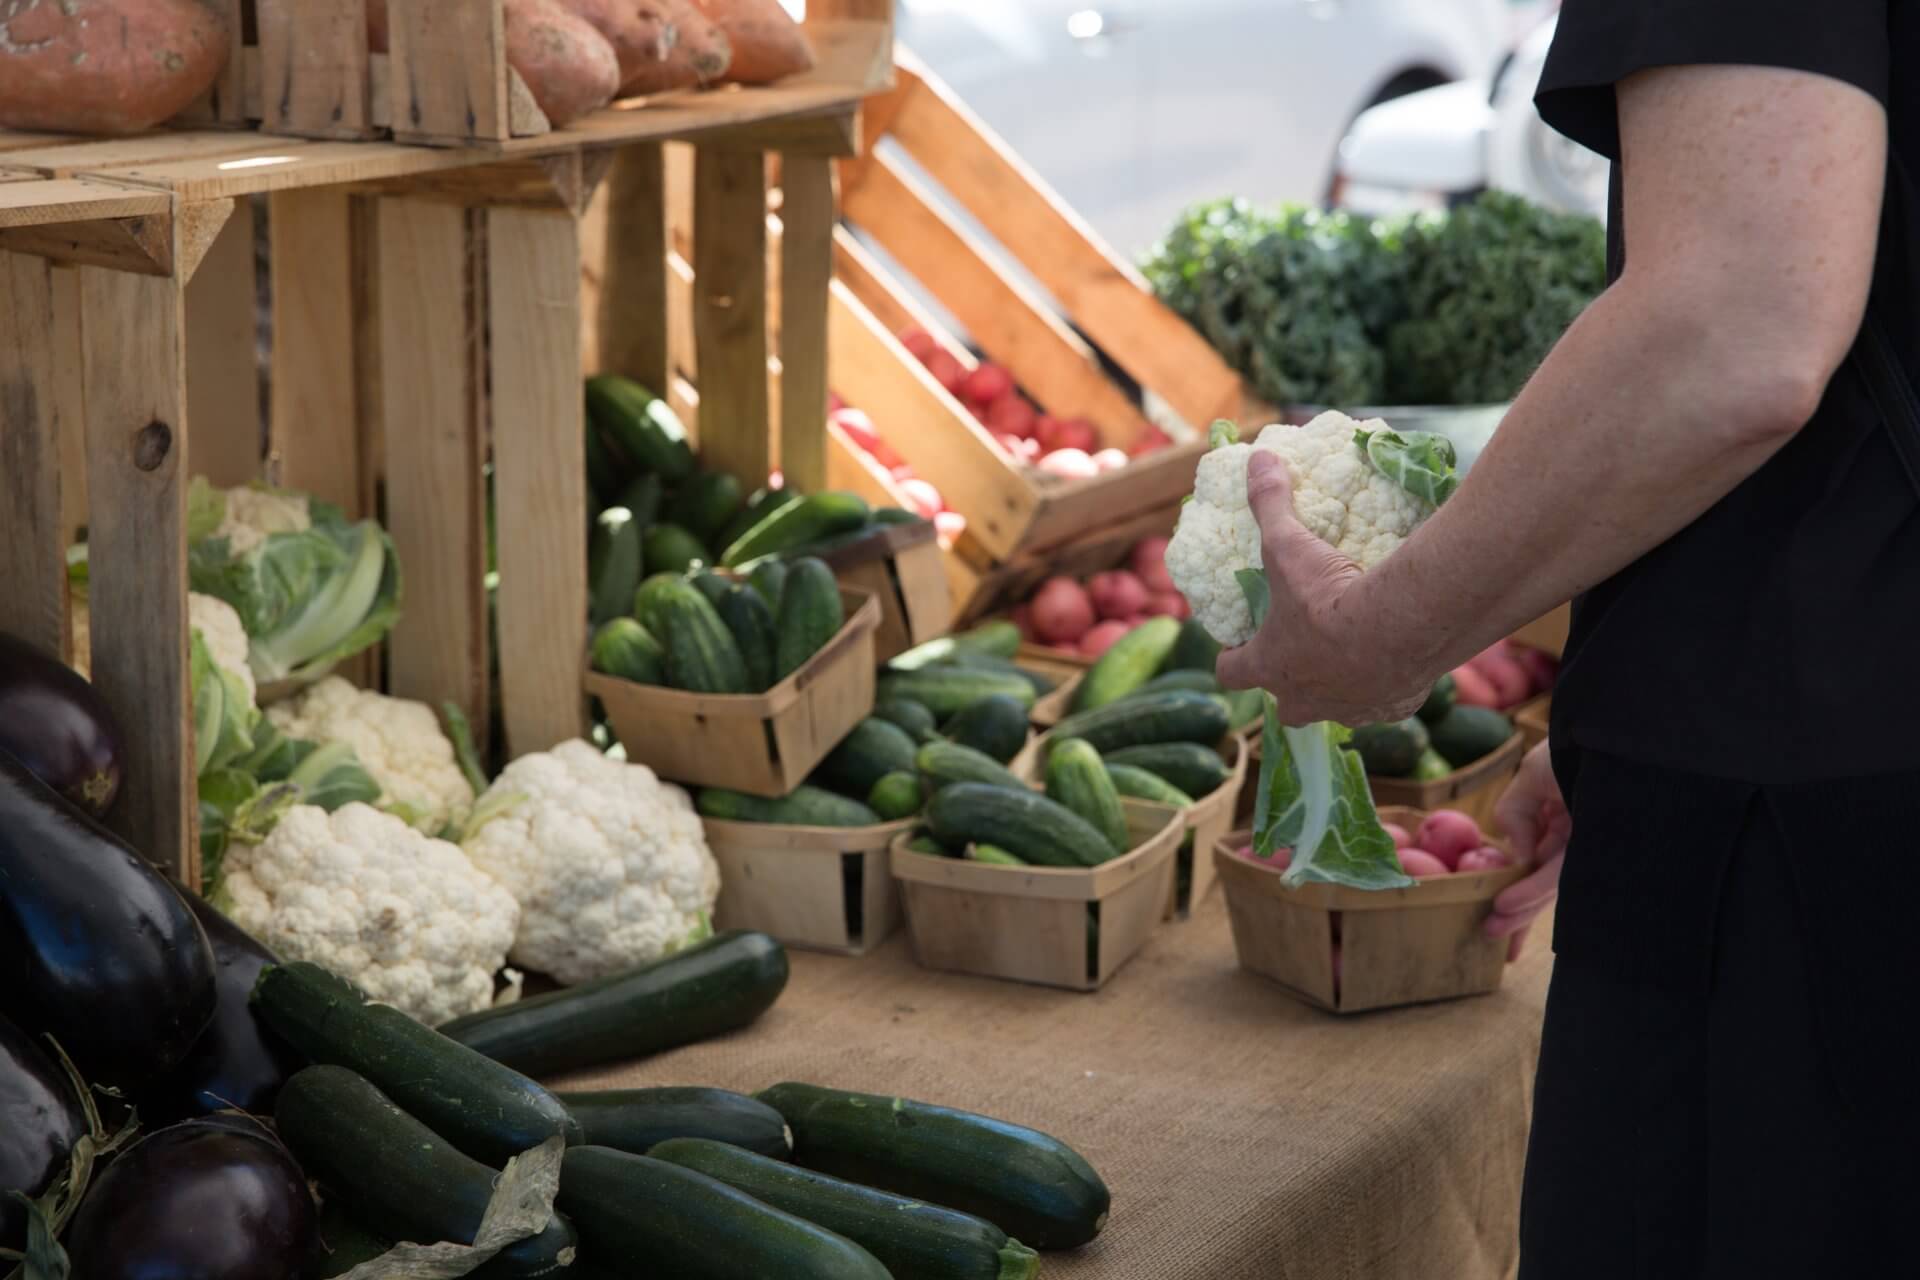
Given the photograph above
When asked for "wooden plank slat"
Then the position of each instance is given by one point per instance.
(316, 78)
(38, 204)
(134, 366)
(891, 304)
(69, 380)
(281, 164)
(631, 314)
(143, 246)
(730, 313)
(314, 444)
(33, 572)
(223, 373)
(448, 70)
(540, 487)
(429, 383)
(807, 218)
(68, 156)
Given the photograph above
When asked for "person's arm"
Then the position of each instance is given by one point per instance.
(1752, 204)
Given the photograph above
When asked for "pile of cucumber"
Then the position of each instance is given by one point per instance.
(1163, 654)
(1443, 737)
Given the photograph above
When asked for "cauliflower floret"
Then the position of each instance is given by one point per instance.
(225, 637)
(407, 917)
(399, 743)
(609, 864)
(1336, 493)
(252, 514)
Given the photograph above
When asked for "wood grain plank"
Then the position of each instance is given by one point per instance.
(37, 204)
(631, 310)
(316, 77)
(540, 487)
(448, 69)
(223, 372)
(881, 293)
(33, 573)
(730, 313)
(808, 214)
(134, 365)
(69, 389)
(67, 156)
(312, 417)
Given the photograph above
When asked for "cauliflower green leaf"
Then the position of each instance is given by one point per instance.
(1421, 462)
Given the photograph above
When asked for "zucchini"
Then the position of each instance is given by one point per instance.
(1132, 661)
(1023, 822)
(805, 806)
(671, 549)
(873, 750)
(639, 427)
(702, 655)
(704, 504)
(912, 1239)
(810, 615)
(769, 577)
(994, 856)
(482, 1106)
(1196, 770)
(944, 763)
(798, 524)
(1029, 1184)
(946, 691)
(996, 725)
(637, 1120)
(896, 796)
(627, 650)
(762, 504)
(1174, 716)
(642, 497)
(340, 1244)
(1194, 650)
(1132, 780)
(639, 1216)
(1077, 779)
(994, 639)
(909, 715)
(750, 622)
(717, 986)
(614, 564)
(398, 1178)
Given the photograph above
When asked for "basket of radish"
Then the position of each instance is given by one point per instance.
(1348, 950)
(1080, 619)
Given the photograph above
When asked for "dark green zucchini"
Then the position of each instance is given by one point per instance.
(1026, 1183)
(718, 986)
(913, 1240)
(637, 1120)
(397, 1177)
(341, 1244)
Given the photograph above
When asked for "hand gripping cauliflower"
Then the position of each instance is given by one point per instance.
(399, 744)
(609, 864)
(1338, 494)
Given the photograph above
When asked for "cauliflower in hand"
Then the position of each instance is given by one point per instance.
(609, 864)
(406, 917)
(1339, 495)
(399, 743)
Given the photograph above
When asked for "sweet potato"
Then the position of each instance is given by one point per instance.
(694, 53)
(570, 67)
(106, 66)
(768, 44)
(639, 33)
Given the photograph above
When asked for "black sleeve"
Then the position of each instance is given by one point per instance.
(1601, 42)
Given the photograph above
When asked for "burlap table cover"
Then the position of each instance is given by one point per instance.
(1245, 1136)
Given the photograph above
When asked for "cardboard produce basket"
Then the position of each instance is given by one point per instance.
(1397, 946)
(822, 888)
(1474, 789)
(764, 744)
(900, 565)
(1056, 926)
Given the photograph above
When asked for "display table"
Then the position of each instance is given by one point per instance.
(1245, 1136)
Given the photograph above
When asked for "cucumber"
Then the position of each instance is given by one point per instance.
(1029, 1184)
(1446, 693)
(1466, 734)
(909, 715)
(484, 1107)
(805, 806)
(1391, 750)
(1078, 779)
(705, 990)
(614, 564)
(874, 749)
(991, 639)
(1431, 767)
(1141, 784)
(762, 504)
(1174, 716)
(638, 1216)
(1191, 681)
(912, 1239)
(1197, 770)
(928, 845)
(671, 549)
(702, 655)
(398, 1178)
(945, 763)
(1130, 663)
(642, 498)
(627, 650)
(750, 622)
(1194, 650)
(897, 515)
(769, 577)
(711, 585)
(605, 475)
(1023, 822)
(798, 524)
(637, 1120)
(810, 615)
(638, 426)
(896, 796)
(946, 691)
(647, 600)
(996, 725)
(994, 856)
(704, 504)
(968, 661)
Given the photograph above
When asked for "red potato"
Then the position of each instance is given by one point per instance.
(1402, 839)
(768, 45)
(1420, 864)
(949, 525)
(569, 67)
(1110, 460)
(106, 66)
(1073, 464)
(1149, 560)
(1542, 668)
(1282, 857)
(987, 385)
(1448, 833)
(1103, 637)
(1511, 683)
(641, 35)
(1487, 859)
(695, 53)
(858, 426)
(1473, 689)
(922, 498)
(1152, 440)
(1013, 415)
(1117, 594)
(1169, 604)
(919, 343)
(947, 371)
(1062, 611)
(1501, 648)
(1066, 433)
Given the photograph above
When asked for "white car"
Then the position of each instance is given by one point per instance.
(1134, 109)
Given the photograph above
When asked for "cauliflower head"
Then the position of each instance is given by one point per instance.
(226, 640)
(1337, 494)
(253, 513)
(609, 864)
(399, 743)
(359, 892)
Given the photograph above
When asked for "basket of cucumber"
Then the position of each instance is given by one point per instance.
(824, 888)
(900, 565)
(1158, 654)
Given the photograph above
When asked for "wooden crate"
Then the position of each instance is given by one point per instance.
(762, 743)
(1060, 927)
(1474, 790)
(825, 889)
(900, 566)
(1397, 946)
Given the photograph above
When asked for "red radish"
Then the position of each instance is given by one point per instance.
(1448, 833)
(1542, 668)
(1020, 449)
(1117, 594)
(1023, 619)
(1062, 611)
(1419, 864)
(858, 426)
(1067, 433)
(1149, 560)
(902, 472)
(1474, 689)
(922, 498)
(1511, 684)
(1487, 859)
(1102, 637)
(947, 371)
(919, 342)
(1401, 838)
(1073, 464)
(949, 525)
(1013, 414)
(1169, 604)
(986, 384)
(1152, 440)
(1110, 460)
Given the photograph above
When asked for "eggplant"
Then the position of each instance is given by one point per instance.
(40, 1120)
(236, 1062)
(206, 1200)
(96, 948)
(58, 726)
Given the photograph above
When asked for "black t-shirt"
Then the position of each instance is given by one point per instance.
(1777, 638)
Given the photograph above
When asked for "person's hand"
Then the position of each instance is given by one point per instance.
(1537, 825)
(1308, 655)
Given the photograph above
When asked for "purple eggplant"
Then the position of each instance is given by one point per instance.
(96, 948)
(203, 1200)
(56, 724)
(40, 1120)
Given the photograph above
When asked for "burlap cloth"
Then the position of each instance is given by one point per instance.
(1245, 1136)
